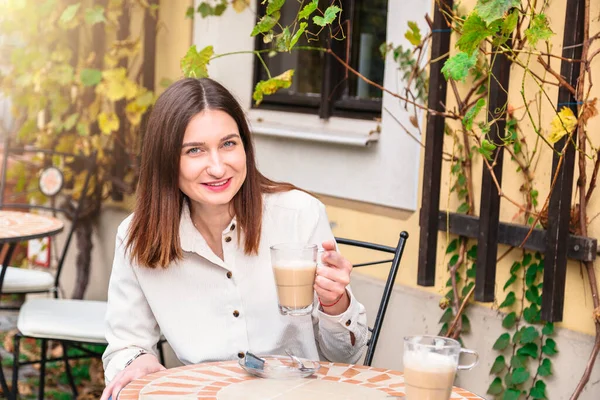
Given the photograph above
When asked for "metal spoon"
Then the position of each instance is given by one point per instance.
(297, 361)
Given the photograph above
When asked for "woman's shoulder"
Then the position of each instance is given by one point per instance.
(123, 229)
(292, 200)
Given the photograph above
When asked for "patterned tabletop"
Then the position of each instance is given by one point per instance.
(18, 226)
(227, 381)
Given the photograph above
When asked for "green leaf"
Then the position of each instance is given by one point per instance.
(466, 323)
(530, 335)
(502, 342)
(531, 275)
(472, 113)
(509, 300)
(526, 259)
(413, 34)
(90, 77)
(538, 29)
(515, 267)
(545, 368)
(328, 16)
(498, 366)
(274, 5)
(487, 148)
(94, 15)
(548, 329)
(308, 10)
(472, 253)
(517, 336)
(472, 272)
(538, 391)
(70, 121)
(510, 22)
(457, 67)
(518, 361)
(474, 32)
(453, 260)
(284, 40)
(463, 208)
(495, 387)
(532, 295)
(467, 288)
(205, 9)
(452, 246)
(194, 63)
(530, 349)
(509, 321)
(220, 9)
(491, 10)
(519, 376)
(69, 13)
(532, 314)
(447, 316)
(189, 13)
(549, 348)
(511, 394)
(510, 281)
(265, 24)
(297, 35)
(270, 86)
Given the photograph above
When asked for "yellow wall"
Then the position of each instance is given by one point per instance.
(361, 221)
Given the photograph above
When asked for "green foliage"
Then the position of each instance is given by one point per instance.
(509, 301)
(499, 365)
(472, 114)
(491, 10)
(265, 24)
(271, 85)
(195, 63)
(308, 9)
(413, 34)
(458, 66)
(539, 29)
(328, 16)
(538, 391)
(475, 30)
(487, 149)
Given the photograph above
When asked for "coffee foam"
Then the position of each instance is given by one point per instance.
(295, 264)
(425, 360)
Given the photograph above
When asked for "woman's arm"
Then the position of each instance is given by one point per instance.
(131, 328)
(340, 321)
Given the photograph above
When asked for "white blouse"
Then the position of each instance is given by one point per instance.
(211, 309)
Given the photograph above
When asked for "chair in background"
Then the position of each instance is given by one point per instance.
(389, 284)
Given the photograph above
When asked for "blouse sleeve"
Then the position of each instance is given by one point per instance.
(332, 332)
(130, 323)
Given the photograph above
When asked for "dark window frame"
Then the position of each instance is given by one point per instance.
(325, 106)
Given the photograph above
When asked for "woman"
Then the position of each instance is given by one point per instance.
(192, 262)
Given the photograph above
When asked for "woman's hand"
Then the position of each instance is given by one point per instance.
(332, 279)
(141, 366)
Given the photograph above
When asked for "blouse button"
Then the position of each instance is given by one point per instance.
(240, 354)
(236, 313)
(232, 227)
(228, 239)
(348, 323)
(229, 274)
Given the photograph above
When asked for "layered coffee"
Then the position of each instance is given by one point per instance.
(295, 281)
(429, 376)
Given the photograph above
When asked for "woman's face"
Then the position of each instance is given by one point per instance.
(213, 160)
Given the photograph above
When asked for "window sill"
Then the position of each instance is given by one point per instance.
(343, 131)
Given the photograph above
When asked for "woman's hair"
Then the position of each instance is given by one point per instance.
(153, 237)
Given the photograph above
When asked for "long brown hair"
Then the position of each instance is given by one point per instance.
(153, 237)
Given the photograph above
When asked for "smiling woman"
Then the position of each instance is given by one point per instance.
(199, 185)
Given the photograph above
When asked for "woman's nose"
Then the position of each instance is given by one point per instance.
(216, 167)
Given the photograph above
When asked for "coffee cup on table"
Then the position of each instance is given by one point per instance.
(430, 365)
(294, 268)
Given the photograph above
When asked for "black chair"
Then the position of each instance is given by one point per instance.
(389, 284)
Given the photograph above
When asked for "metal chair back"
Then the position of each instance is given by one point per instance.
(389, 284)
(53, 188)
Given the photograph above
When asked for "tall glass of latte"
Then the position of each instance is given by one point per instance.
(294, 267)
(430, 365)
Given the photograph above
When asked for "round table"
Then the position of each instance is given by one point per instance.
(227, 380)
(17, 226)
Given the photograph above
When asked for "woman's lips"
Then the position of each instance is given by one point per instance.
(218, 186)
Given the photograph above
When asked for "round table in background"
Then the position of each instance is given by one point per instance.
(17, 226)
(227, 380)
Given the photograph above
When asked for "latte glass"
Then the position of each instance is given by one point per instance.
(294, 267)
(430, 365)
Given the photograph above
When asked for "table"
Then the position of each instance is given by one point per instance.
(226, 381)
(15, 227)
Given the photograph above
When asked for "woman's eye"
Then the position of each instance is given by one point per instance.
(193, 150)
(229, 143)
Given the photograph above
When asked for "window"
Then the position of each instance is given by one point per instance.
(321, 84)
